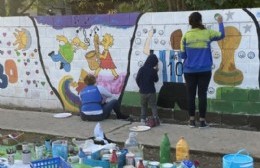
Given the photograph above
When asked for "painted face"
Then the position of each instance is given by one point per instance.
(107, 41)
(78, 44)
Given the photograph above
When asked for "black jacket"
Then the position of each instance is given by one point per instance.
(147, 75)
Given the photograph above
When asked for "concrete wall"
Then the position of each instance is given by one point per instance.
(44, 59)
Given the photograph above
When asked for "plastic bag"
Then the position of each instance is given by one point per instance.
(98, 132)
(99, 136)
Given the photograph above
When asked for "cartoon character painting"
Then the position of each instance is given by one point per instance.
(106, 61)
(66, 51)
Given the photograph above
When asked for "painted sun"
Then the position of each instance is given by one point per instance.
(23, 39)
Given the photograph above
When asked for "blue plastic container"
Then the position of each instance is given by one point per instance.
(104, 163)
(238, 160)
(50, 163)
(60, 149)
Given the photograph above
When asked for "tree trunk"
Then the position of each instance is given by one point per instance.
(154, 5)
(169, 3)
(177, 5)
(2, 8)
(183, 5)
(13, 6)
(27, 7)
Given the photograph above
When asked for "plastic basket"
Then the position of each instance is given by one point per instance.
(56, 162)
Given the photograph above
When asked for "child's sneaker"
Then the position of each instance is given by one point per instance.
(150, 122)
(192, 124)
(203, 124)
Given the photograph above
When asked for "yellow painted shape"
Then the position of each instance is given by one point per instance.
(70, 106)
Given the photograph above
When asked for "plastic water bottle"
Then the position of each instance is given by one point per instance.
(140, 164)
(182, 150)
(132, 145)
(81, 155)
(165, 150)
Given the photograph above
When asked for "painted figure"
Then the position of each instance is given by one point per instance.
(106, 61)
(172, 63)
(162, 58)
(147, 45)
(175, 57)
(66, 51)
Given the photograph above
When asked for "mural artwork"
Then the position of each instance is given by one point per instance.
(228, 74)
(66, 51)
(44, 60)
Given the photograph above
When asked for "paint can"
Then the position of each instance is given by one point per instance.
(39, 151)
(73, 159)
(25, 146)
(10, 158)
(26, 156)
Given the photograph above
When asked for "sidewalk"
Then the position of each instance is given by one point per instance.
(211, 140)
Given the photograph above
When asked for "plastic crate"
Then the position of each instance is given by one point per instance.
(94, 161)
(56, 162)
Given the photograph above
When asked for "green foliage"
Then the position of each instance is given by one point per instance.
(125, 7)
(143, 6)
(20, 7)
(12, 7)
(220, 4)
(166, 5)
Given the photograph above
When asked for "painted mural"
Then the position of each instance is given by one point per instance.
(227, 73)
(43, 60)
(96, 45)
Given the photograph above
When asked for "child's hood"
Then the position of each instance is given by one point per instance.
(151, 61)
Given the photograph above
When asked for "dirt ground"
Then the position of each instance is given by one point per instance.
(207, 160)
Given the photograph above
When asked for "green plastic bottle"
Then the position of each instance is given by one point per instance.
(165, 150)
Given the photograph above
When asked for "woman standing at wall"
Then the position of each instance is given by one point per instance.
(197, 65)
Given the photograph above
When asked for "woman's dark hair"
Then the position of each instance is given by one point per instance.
(90, 79)
(195, 20)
